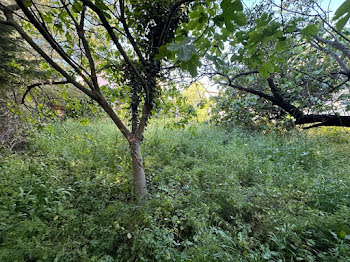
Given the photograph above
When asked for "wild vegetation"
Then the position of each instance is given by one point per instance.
(230, 101)
(215, 194)
(137, 45)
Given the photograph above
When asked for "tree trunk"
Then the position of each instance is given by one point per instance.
(138, 169)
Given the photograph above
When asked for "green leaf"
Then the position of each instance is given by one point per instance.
(342, 234)
(281, 45)
(229, 26)
(107, 15)
(64, 95)
(28, 3)
(342, 22)
(77, 7)
(231, 5)
(47, 17)
(185, 52)
(239, 18)
(62, 16)
(192, 65)
(59, 27)
(343, 9)
(101, 5)
(162, 52)
(84, 121)
(310, 30)
(266, 69)
(173, 47)
(255, 37)
(219, 20)
(29, 98)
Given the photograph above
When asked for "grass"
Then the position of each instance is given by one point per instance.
(215, 194)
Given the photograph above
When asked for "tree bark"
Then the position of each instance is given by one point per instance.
(140, 187)
(323, 120)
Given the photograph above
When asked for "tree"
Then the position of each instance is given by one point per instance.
(296, 60)
(195, 96)
(126, 42)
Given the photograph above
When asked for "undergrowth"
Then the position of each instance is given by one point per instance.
(215, 195)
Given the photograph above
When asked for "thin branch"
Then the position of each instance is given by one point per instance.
(81, 34)
(128, 34)
(115, 39)
(48, 37)
(331, 53)
(329, 25)
(336, 44)
(30, 41)
(30, 87)
(244, 74)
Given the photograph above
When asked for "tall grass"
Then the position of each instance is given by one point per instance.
(215, 195)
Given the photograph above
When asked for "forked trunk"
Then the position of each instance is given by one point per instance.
(138, 169)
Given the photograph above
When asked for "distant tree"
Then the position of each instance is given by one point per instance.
(291, 60)
(196, 96)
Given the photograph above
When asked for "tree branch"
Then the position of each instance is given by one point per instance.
(168, 21)
(281, 102)
(48, 37)
(324, 120)
(128, 34)
(337, 58)
(336, 44)
(81, 34)
(115, 39)
(29, 40)
(30, 87)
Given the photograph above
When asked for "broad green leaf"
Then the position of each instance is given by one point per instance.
(173, 47)
(185, 52)
(310, 30)
(342, 22)
(101, 5)
(162, 52)
(77, 7)
(343, 9)
(219, 20)
(229, 26)
(239, 18)
(255, 37)
(266, 69)
(192, 65)
(281, 45)
(231, 5)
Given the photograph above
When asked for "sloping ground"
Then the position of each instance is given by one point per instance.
(215, 195)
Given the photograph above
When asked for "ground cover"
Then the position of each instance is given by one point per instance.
(215, 194)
